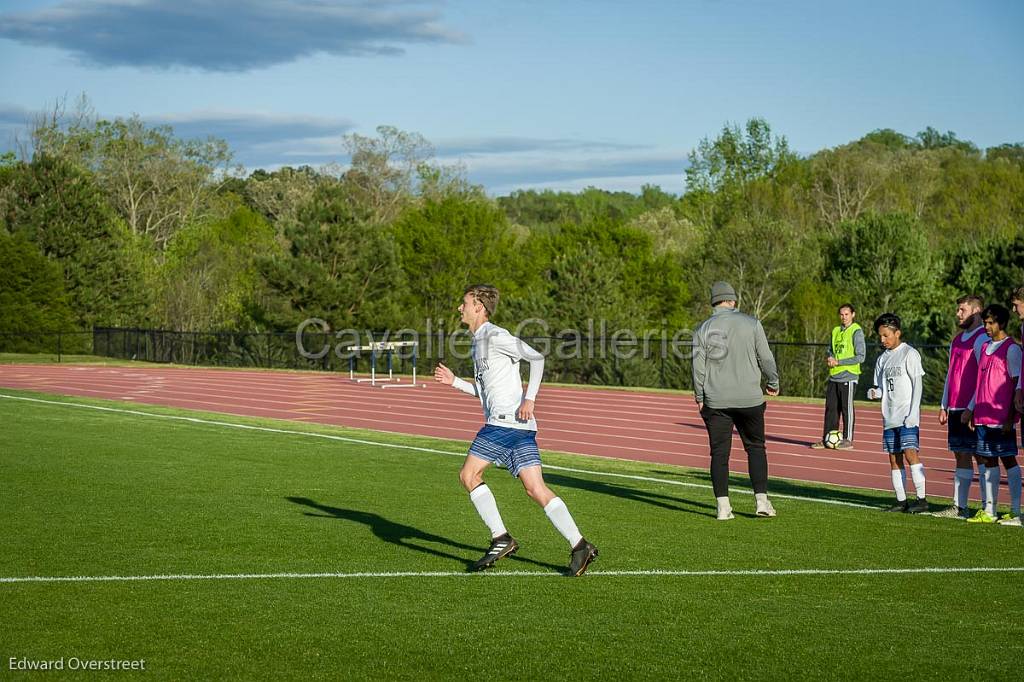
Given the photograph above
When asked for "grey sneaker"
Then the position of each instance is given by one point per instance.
(501, 547)
(953, 512)
(845, 445)
(818, 445)
(1009, 520)
(582, 554)
(900, 507)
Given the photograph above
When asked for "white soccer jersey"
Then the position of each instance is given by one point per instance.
(496, 357)
(898, 375)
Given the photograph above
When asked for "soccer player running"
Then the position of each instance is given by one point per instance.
(845, 354)
(898, 375)
(509, 435)
(992, 414)
(961, 378)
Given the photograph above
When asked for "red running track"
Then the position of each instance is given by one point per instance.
(651, 427)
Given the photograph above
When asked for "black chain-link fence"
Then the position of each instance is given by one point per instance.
(658, 363)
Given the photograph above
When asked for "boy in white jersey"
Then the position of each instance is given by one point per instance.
(509, 435)
(993, 416)
(961, 378)
(898, 375)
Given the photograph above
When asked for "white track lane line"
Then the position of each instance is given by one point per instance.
(941, 570)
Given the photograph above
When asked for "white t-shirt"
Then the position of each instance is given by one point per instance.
(496, 357)
(898, 375)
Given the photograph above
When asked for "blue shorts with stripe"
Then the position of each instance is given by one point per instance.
(994, 442)
(512, 449)
(900, 438)
(959, 436)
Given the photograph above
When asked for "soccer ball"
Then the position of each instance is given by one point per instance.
(833, 439)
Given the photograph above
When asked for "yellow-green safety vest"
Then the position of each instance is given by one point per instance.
(842, 348)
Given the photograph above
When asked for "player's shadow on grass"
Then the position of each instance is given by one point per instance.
(647, 497)
(783, 487)
(402, 535)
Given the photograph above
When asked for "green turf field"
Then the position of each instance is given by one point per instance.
(104, 493)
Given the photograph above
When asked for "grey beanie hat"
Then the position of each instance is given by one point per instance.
(722, 291)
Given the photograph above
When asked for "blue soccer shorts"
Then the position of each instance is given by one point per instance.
(512, 449)
(994, 442)
(900, 438)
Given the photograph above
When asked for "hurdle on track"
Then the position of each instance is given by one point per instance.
(388, 348)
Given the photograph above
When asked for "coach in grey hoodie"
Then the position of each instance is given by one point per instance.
(730, 354)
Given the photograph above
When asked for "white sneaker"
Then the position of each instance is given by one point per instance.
(724, 509)
(1008, 520)
(765, 508)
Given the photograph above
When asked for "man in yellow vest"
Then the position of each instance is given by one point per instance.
(845, 354)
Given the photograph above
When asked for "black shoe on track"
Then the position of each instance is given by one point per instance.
(501, 546)
(900, 507)
(582, 554)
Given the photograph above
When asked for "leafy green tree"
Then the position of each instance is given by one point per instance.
(155, 181)
(930, 138)
(337, 265)
(764, 261)
(1012, 153)
(60, 208)
(209, 277)
(992, 268)
(721, 167)
(887, 264)
(32, 296)
(976, 200)
(445, 245)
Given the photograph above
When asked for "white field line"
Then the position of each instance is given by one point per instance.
(360, 441)
(944, 570)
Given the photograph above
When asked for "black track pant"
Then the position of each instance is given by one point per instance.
(749, 422)
(839, 402)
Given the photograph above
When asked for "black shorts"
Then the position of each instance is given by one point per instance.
(959, 436)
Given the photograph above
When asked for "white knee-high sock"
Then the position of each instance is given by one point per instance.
(992, 475)
(962, 486)
(487, 507)
(561, 519)
(917, 473)
(1013, 479)
(898, 484)
(981, 481)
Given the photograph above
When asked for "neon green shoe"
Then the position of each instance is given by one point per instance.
(982, 517)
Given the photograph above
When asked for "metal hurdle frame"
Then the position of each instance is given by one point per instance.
(388, 348)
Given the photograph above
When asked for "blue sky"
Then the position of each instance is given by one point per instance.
(559, 95)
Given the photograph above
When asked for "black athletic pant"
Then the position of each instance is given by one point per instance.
(839, 401)
(749, 422)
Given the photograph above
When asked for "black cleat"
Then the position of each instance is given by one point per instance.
(501, 546)
(920, 506)
(900, 507)
(582, 554)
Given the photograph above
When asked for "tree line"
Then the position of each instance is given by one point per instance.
(120, 223)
